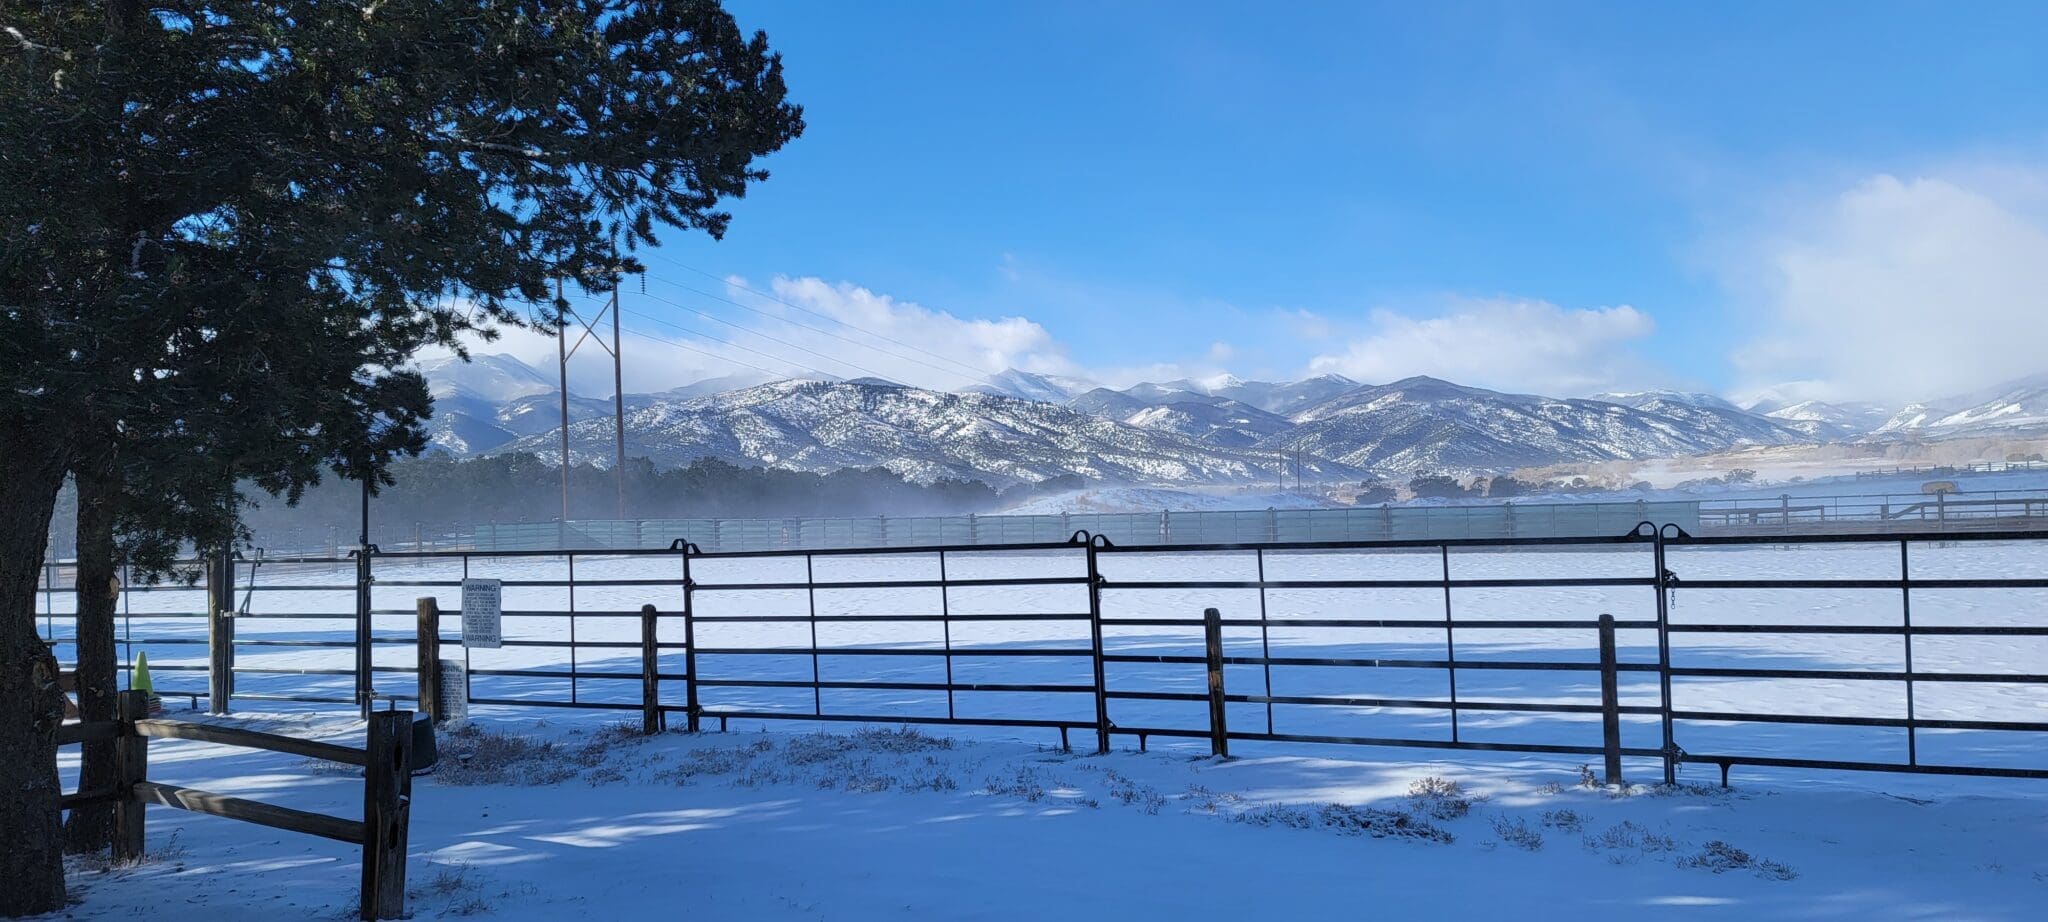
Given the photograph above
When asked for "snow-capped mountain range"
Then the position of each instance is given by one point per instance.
(1022, 426)
(920, 434)
(2014, 406)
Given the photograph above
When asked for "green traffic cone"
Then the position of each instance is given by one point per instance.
(138, 679)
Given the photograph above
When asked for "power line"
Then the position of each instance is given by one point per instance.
(687, 346)
(976, 374)
(829, 358)
(822, 316)
(726, 342)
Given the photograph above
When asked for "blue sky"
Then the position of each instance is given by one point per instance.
(1559, 197)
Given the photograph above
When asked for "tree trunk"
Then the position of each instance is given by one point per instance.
(31, 707)
(90, 829)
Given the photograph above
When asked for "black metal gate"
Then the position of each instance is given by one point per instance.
(1917, 652)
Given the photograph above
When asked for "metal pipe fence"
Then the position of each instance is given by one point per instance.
(1918, 652)
(1783, 514)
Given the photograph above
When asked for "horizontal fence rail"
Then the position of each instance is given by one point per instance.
(1916, 652)
(385, 760)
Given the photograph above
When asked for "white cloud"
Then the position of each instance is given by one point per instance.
(1508, 344)
(899, 340)
(1308, 325)
(651, 364)
(677, 334)
(1902, 289)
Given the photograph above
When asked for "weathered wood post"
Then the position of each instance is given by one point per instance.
(387, 807)
(131, 767)
(365, 682)
(1610, 701)
(1212, 646)
(220, 631)
(428, 642)
(652, 720)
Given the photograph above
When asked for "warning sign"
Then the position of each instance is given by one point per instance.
(483, 603)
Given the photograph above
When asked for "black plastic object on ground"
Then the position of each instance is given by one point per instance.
(424, 752)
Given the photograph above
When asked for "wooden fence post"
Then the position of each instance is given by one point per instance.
(428, 641)
(652, 720)
(387, 807)
(131, 767)
(1212, 645)
(1610, 701)
(220, 631)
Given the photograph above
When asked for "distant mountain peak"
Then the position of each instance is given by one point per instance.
(488, 376)
(1646, 399)
(1030, 385)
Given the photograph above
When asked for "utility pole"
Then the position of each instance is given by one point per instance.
(562, 350)
(365, 660)
(619, 402)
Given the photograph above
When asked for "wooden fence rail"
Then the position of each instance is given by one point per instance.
(386, 760)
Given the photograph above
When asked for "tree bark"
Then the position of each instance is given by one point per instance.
(90, 829)
(31, 706)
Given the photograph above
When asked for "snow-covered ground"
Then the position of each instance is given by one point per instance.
(585, 821)
(997, 823)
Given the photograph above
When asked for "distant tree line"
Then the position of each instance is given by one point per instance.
(1429, 485)
(440, 493)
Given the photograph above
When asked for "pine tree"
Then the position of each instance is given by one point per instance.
(225, 227)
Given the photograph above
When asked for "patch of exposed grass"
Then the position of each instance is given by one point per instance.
(1517, 832)
(1024, 783)
(452, 887)
(1721, 857)
(1627, 841)
(473, 755)
(931, 778)
(905, 739)
(813, 748)
(1345, 819)
(714, 761)
(169, 851)
(1439, 798)
(1203, 800)
(1380, 824)
(1285, 815)
(1133, 794)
